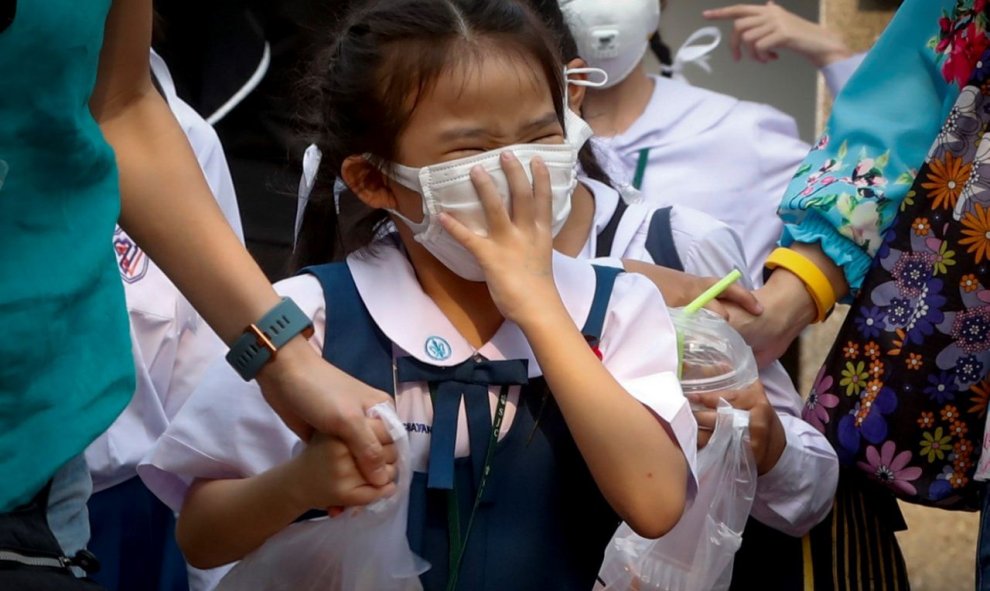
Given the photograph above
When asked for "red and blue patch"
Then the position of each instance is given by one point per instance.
(132, 261)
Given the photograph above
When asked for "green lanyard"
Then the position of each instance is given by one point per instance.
(644, 159)
(457, 543)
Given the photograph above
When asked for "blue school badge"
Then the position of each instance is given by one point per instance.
(133, 262)
(438, 349)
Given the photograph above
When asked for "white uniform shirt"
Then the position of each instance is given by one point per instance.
(638, 347)
(797, 493)
(205, 143)
(172, 345)
(729, 158)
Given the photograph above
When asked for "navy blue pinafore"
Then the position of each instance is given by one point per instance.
(542, 522)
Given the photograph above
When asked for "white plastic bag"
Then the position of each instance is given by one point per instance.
(697, 554)
(361, 549)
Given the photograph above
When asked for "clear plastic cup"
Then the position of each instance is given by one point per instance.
(714, 357)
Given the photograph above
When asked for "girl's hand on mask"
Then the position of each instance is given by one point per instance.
(516, 254)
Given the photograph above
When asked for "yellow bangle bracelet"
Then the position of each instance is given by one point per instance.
(814, 280)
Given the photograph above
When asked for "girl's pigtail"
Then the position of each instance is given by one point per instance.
(662, 51)
(592, 166)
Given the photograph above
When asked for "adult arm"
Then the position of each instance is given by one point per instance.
(766, 29)
(231, 498)
(849, 189)
(167, 208)
(680, 289)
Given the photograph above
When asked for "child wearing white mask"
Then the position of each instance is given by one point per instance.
(680, 144)
(539, 392)
(797, 467)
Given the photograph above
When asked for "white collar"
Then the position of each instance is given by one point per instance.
(388, 286)
(676, 112)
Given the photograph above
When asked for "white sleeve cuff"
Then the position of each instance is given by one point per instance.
(837, 74)
(796, 494)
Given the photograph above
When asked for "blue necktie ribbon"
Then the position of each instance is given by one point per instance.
(469, 380)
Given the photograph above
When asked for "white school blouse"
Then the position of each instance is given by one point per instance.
(797, 493)
(227, 430)
(729, 158)
(171, 344)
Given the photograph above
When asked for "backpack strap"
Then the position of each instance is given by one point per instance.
(353, 342)
(604, 283)
(660, 241)
(603, 247)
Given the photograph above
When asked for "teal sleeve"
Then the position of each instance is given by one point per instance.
(849, 188)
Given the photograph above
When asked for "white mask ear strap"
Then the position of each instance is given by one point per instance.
(602, 74)
(310, 166)
(577, 130)
(692, 52)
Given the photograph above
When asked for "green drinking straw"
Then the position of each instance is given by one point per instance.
(700, 302)
(713, 292)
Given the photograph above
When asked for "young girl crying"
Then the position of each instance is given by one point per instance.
(539, 392)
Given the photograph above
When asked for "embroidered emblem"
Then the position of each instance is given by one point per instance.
(438, 349)
(131, 259)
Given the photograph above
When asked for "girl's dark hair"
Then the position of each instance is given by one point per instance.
(663, 53)
(384, 56)
(549, 10)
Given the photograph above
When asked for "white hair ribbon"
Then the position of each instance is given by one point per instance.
(310, 165)
(692, 52)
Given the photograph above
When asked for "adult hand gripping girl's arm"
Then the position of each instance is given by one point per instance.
(167, 208)
(679, 288)
(605, 420)
(792, 306)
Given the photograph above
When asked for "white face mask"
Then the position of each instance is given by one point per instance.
(447, 188)
(613, 35)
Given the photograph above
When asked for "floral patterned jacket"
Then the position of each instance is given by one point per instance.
(850, 187)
